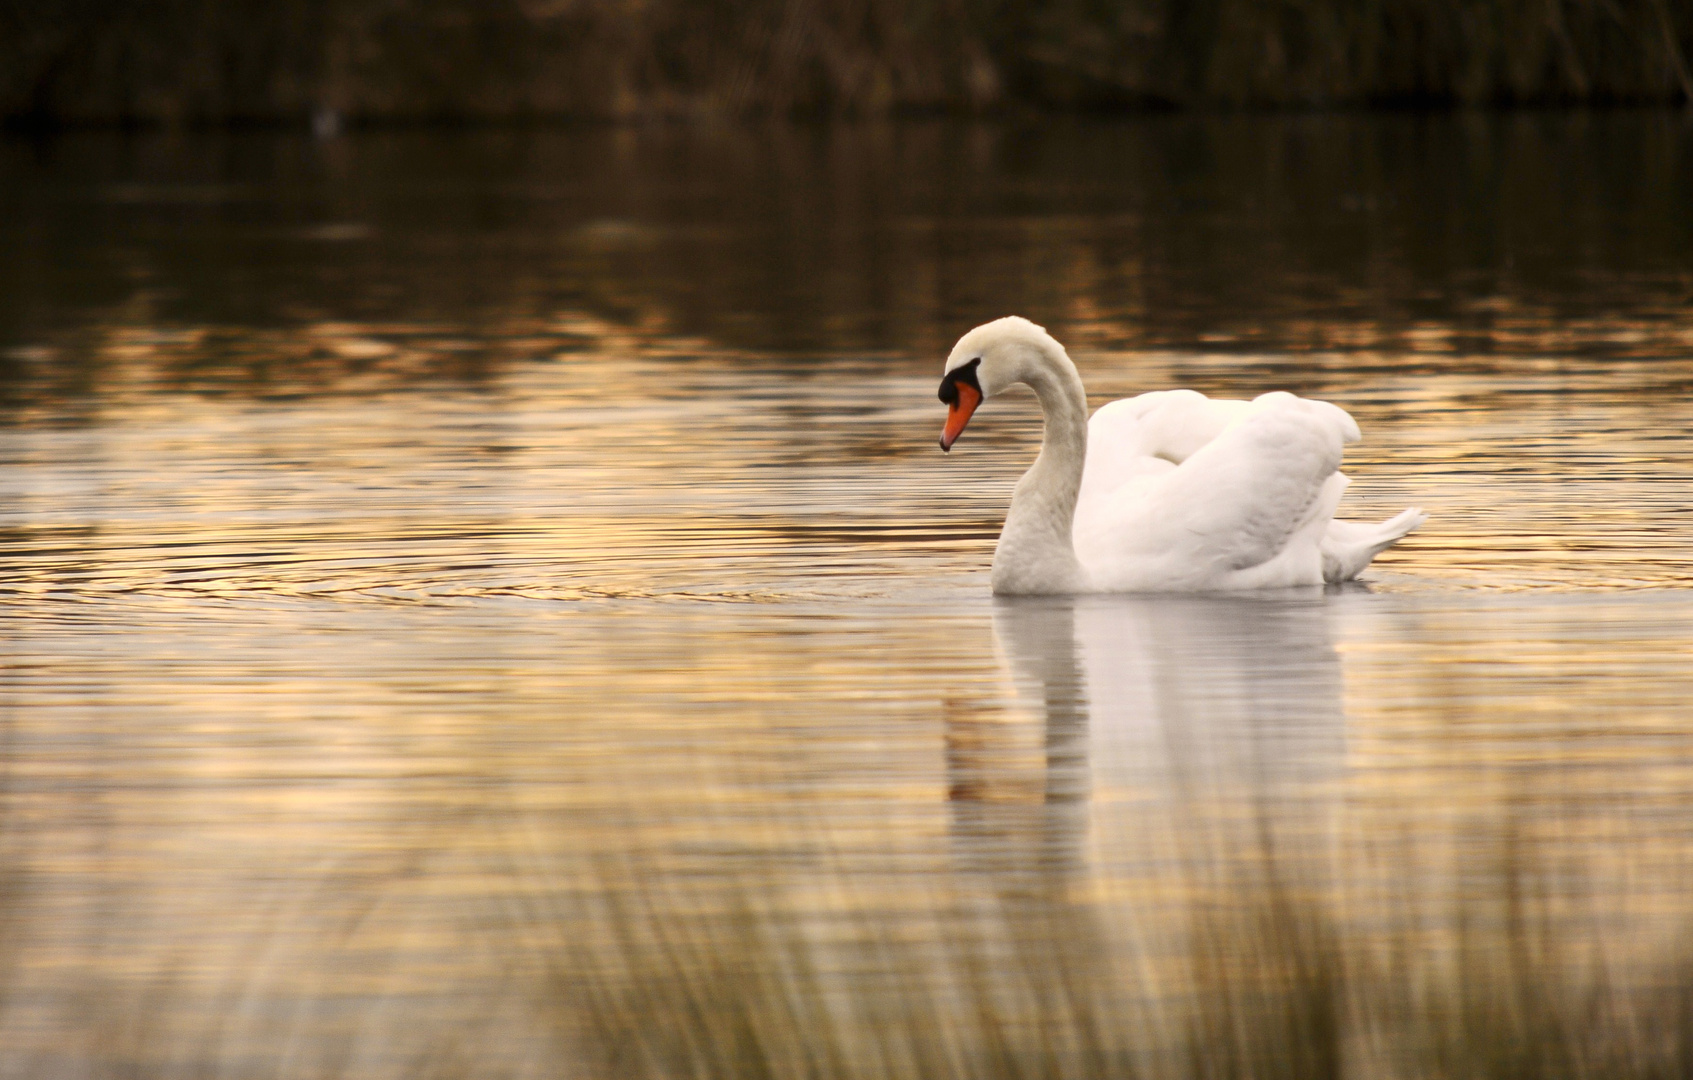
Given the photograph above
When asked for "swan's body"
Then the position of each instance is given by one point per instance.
(1166, 492)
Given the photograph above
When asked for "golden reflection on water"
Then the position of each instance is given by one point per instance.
(492, 606)
(636, 718)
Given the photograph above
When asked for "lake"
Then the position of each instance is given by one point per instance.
(489, 603)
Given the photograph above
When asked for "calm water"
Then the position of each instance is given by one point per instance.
(491, 605)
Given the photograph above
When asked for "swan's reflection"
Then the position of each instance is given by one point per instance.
(1211, 694)
(1170, 714)
(1018, 790)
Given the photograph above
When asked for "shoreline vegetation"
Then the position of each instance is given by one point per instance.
(330, 62)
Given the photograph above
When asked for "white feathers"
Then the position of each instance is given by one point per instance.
(1172, 491)
(1184, 493)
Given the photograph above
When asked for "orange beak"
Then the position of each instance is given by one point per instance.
(958, 414)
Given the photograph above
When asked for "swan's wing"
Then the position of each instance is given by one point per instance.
(1168, 424)
(1134, 438)
(1234, 503)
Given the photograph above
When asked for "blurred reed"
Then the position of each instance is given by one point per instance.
(198, 61)
(1272, 982)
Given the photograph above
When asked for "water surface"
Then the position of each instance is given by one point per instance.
(491, 605)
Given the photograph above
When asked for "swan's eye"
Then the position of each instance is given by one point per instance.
(963, 373)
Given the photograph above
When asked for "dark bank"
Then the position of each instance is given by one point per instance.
(249, 61)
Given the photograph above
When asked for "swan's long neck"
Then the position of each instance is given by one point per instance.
(1036, 553)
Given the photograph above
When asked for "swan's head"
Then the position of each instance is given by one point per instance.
(989, 359)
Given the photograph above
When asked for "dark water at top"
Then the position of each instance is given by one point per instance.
(1479, 235)
(490, 605)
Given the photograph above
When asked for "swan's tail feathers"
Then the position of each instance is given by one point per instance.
(1348, 546)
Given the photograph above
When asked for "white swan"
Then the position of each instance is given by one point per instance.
(1166, 492)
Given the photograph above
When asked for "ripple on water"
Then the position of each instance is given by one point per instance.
(608, 486)
(456, 693)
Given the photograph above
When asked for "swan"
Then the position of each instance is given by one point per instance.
(1166, 492)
